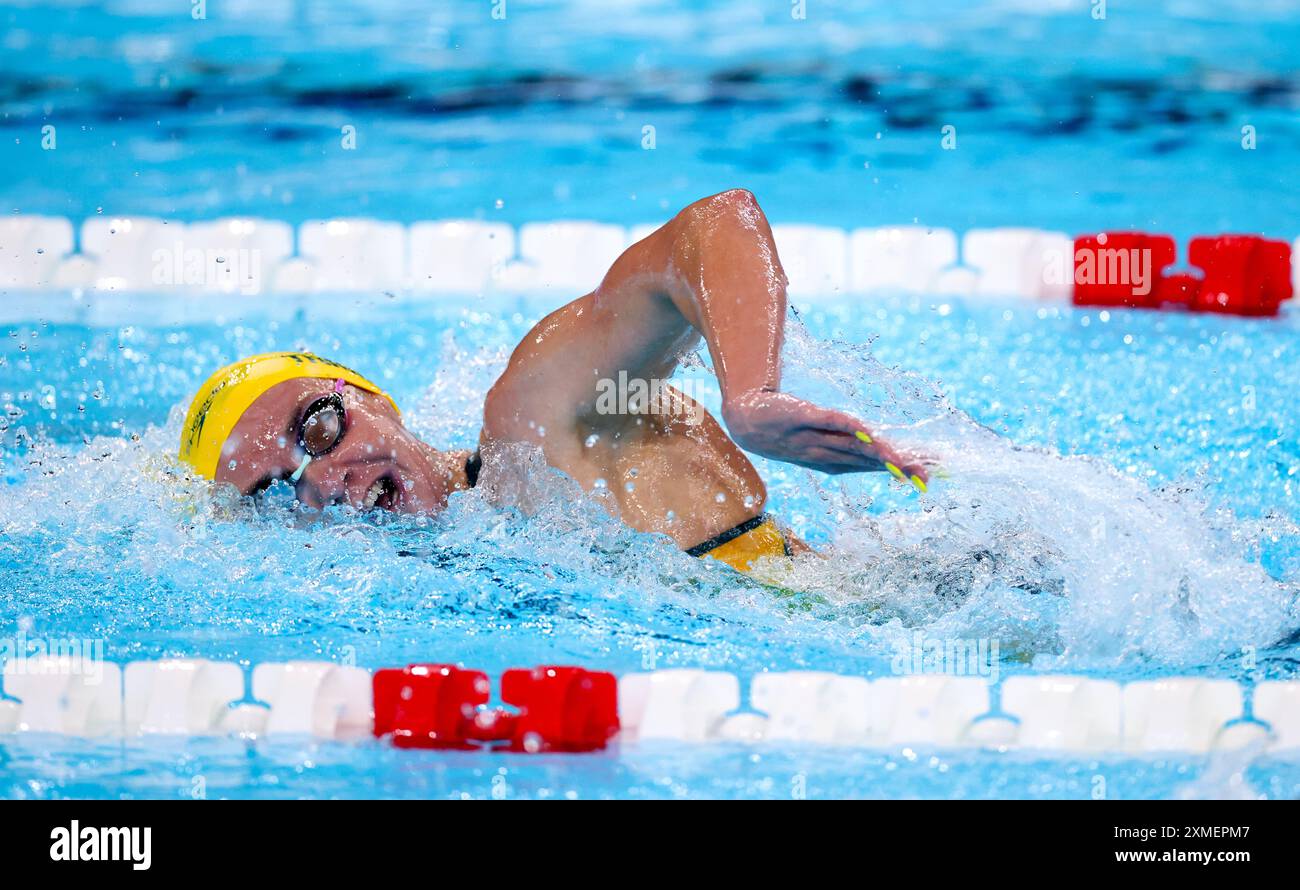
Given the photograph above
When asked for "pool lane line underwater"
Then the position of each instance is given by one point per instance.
(1239, 274)
(565, 709)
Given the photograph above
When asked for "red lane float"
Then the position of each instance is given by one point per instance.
(1240, 274)
(429, 705)
(559, 708)
(1120, 268)
(1244, 275)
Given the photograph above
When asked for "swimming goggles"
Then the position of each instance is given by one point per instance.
(321, 428)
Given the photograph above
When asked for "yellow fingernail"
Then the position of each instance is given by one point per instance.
(863, 437)
(895, 470)
(920, 484)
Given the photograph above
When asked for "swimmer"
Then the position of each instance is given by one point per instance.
(586, 387)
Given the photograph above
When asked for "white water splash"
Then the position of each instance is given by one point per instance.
(1064, 559)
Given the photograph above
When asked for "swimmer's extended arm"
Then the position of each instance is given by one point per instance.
(719, 267)
(711, 271)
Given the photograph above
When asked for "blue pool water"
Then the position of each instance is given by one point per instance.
(1123, 493)
(1136, 421)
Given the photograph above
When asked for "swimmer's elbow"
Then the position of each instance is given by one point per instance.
(718, 229)
(734, 207)
(737, 200)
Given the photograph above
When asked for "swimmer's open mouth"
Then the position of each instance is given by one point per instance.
(381, 495)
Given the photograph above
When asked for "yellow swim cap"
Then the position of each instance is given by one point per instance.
(226, 395)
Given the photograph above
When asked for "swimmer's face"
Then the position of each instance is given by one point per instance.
(373, 462)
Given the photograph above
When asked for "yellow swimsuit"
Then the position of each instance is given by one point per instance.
(738, 547)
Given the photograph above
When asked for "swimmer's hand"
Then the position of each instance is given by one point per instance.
(786, 428)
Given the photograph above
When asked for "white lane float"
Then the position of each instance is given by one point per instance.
(353, 254)
(813, 706)
(927, 709)
(180, 696)
(9, 714)
(31, 250)
(1064, 713)
(1179, 714)
(317, 698)
(568, 257)
(1030, 263)
(458, 256)
(899, 258)
(64, 694)
(132, 253)
(688, 705)
(815, 259)
(1277, 703)
(238, 255)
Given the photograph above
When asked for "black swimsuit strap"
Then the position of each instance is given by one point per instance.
(473, 464)
(730, 534)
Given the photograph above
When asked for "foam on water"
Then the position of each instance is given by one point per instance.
(1063, 559)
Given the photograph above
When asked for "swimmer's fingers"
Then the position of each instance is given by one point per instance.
(836, 453)
(832, 461)
(790, 429)
(833, 451)
(914, 466)
(881, 457)
(865, 452)
(836, 462)
(907, 467)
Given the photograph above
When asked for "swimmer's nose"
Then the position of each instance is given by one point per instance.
(325, 482)
(311, 488)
